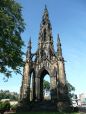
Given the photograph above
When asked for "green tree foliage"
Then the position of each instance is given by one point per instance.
(8, 95)
(71, 89)
(11, 27)
(46, 85)
(4, 106)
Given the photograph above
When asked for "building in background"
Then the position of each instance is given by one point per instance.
(82, 99)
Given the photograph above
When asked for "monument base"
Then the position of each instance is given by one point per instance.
(43, 106)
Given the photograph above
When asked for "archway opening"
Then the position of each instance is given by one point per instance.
(45, 86)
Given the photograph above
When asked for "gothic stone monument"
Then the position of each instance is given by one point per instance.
(46, 61)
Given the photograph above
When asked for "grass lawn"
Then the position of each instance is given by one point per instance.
(44, 113)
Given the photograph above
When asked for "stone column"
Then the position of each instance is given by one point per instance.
(33, 87)
(64, 100)
(25, 82)
(37, 80)
(53, 88)
(62, 75)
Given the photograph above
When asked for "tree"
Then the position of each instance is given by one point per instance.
(11, 27)
(46, 85)
(70, 89)
(8, 95)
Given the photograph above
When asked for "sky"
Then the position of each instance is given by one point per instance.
(68, 18)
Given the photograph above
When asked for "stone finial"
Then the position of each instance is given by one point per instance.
(28, 54)
(58, 41)
(29, 43)
(59, 49)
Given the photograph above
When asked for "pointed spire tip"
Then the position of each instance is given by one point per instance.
(29, 42)
(45, 6)
(58, 40)
(45, 9)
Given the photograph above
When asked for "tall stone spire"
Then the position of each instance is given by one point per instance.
(45, 18)
(45, 33)
(45, 41)
(59, 49)
(28, 54)
(61, 66)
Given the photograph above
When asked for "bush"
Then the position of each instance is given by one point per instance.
(4, 106)
(1, 106)
(13, 107)
(7, 105)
